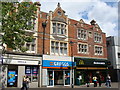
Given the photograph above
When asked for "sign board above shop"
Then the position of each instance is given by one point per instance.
(20, 62)
(90, 62)
(55, 64)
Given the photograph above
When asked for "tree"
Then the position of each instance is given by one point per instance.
(17, 18)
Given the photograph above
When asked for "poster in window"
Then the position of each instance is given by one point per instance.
(35, 70)
(11, 77)
(28, 70)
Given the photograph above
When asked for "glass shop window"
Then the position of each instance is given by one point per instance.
(32, 73)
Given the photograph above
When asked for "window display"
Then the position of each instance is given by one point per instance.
(32, 73)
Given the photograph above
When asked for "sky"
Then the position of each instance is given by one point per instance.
(104, 12)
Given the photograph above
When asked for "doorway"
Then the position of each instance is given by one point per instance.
(59, 79)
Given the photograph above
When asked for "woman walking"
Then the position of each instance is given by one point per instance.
(24, 84)
(108, 81)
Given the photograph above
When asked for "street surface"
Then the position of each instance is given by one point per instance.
(115, 86)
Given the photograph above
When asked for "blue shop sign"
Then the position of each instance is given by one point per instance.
(49, 63)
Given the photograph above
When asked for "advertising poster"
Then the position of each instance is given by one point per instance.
(11, 77)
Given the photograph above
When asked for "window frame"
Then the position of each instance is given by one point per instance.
(98, 51)
(82, 48)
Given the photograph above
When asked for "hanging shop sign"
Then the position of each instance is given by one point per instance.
(50, 64)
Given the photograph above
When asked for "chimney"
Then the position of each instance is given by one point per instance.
(93, 22)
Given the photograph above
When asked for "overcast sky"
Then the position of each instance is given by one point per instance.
(105, 13)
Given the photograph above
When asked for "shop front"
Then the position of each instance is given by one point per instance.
(56, 71)
(90, 67)
(20, 65)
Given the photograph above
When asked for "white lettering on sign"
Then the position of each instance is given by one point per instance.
(61, 64)
(99, 63)
(21, 61)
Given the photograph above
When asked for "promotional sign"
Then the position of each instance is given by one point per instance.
(12, 77)
(50, 63)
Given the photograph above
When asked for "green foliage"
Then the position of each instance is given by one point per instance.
(16, 20)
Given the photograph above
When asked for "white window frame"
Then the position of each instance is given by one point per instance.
(98, 46)
(84, 33)
(61, 28)
(59, 48)
(30, 48)
(98, 36)
(86, 48)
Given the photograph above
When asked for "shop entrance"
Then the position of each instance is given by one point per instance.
(58, 77)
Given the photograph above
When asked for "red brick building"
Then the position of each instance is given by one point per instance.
(88, 47)
(58, 42)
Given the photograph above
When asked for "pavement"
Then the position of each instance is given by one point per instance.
(115, 86)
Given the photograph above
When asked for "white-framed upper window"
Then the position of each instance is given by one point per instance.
(82, 48)
(31, 46)
(97, 37)
(58, 48)
(98, 50)
(82, 34)
(59, 28)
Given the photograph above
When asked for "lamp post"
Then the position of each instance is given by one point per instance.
(71, 43)
(44, 26)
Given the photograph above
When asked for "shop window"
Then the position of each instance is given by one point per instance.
(32, 73)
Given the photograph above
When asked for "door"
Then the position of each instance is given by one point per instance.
(58, 77)
(66, 78)
(12, 78)
(50, 78)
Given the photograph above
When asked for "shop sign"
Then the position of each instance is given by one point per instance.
(91, 62)
(103, 63)
(48, 63)
(25, 62)
(81, 62)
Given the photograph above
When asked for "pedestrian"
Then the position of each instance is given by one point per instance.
(87, 80)
(108, 81)
(27, 81)
(99, 80)
(95, 81)
(24, 84)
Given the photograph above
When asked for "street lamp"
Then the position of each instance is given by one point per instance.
(44, 24)
(71, 43)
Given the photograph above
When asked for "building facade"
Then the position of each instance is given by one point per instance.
(64, 51)
(15, 64)
(65, 37)
(113, 48)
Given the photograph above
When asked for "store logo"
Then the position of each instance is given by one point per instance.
(51, 63)
(59, 63)
(81, 62)
(99, 63)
